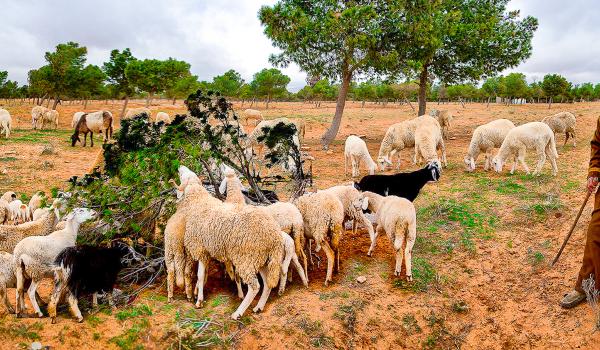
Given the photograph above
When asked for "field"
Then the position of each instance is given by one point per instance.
(481, 264)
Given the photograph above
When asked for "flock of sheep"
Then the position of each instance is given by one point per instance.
(250, 240)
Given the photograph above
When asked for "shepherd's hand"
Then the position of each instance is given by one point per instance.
(592, 183)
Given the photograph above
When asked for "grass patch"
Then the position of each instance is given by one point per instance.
(7, 159)
(219, 300)
(551, 202)
(315, 333)
(134, 311)
(410, 324)
(29, 332)
(130, 339)
(509, 187)
(423, 273)
(535, 257)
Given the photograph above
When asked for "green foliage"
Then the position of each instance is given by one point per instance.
(228, 84)
(515, 85)
(115, 71)
(134, 312)
(155, 76)
(269, 83)
(555, 85)
(423, 274)
(130, 339)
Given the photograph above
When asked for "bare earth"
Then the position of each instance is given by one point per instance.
(481, 262)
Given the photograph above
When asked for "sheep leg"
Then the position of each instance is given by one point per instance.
(355, 170)
(521, 158)
(253, 288)
(397, 243)
(57, 293)
(200, 284)
(170, 280)
(410, 242)
(376, 233)
(442, 146)
(362, 219)
(550, 154)
(260, 306)
(74, 306)
(4, 297)
(300, 270)
(238, 285)
(20, 291)
(540, 163)
(330, 260)
(284, 274)
(573, 137)
(33, 299)
(94, 300)
(84, 139)
(566, 138)
(92, 138)
(187, 277)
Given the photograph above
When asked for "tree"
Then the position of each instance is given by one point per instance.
(515, 85)
(554, 85)
(115, 74)
(183, 88)
(335, 40)
(464, 40)
(323, 90)
(91, 82)
(154, 76)
(494, 86)
(63, 72)
(365, 91)
(228, 84)
(270, 83)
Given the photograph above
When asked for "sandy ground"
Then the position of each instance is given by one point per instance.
(481, 261)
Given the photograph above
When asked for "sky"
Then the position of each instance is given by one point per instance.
(218, 35)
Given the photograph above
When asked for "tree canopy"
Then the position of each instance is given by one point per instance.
(269, 83)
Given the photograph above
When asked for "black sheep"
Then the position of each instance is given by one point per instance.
(83, 270)
(405, 185)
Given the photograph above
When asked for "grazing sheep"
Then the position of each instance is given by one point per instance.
(356, 151)
(445, 119)
(428, 138)
(533, 136)
(162, 117)
(354, 204)
(9, 196)
(5, 122)
(290, 256)
(7, 278)
(323, 216)
(485, 138)
(34, 256)
(247, 237)
(36, 202)
(49, 117)
(252, 114)
(397, 217)
(132, 112)
(397, 137)
(18, 212)
(563, 122)
(76, 117)
(36, 114)
(96, 122)
(405, 185)
(84, 270)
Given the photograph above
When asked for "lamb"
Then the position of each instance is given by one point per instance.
(34, 256)
(49, 117)
(485, 138)
(231, 186)
(290, 256)
(405, 185)
(397, 137)
(445, 119)
(562, 122)
(36, 114)
(162, 117)
(76, 117)
(132, 112)
(7, 278)
(35, 203)
(428, 138)
(323, 216)
(247, 237)
(535, 135)
(85, 269)
(5, 122)
(356, 151)
(354, 204)
(18, 212)
(397, 217)
(252, 114)
(96, 122)
(9, 196)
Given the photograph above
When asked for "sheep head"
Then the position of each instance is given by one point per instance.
(469, 164)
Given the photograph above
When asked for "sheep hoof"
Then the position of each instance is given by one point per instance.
(80, 319)
(235, 316)
(409, 278)
(257, 309)
(198, 305)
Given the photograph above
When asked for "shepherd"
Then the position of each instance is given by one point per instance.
(591, 255)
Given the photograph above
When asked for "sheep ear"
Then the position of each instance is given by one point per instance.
(365, 203)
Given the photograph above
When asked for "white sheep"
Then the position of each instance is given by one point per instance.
(76, 117)
(36, 114)
(323, 216)
(428, 139)
(396, 217)
(445, 119)
(246, 237)
(485, 138)
(9, 196)
(397, 137)
(18, 212)
(252, 114)
(162, 117)
(49, 117)
(4, 213)
(354, 203)
(5, 122)
(563, 122)
(355, 152)
(34, 256)
(533, 136)
(132, 112)
(7, 278)
(35, 203)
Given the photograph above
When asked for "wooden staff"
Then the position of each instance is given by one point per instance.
(572, 228)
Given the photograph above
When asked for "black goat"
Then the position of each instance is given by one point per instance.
(405, 185)
(83, 270)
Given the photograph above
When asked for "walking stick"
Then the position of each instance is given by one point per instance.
(572, 227)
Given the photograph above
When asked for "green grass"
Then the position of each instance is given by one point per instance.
(36, 136)
(410, 324)
(7, 159)
(29, 332)
(423, 274)
(535, 257)
(315, 333)
(134, 312)
(130, 339)
(551, 202)
(219, 300)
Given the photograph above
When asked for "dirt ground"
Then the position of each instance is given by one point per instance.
(481, 264)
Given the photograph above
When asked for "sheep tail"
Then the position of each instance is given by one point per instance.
(335, 233)
(274, 265)
(401, 231)
(552, 145)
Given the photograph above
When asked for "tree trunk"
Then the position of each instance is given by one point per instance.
(550, 102)
(148, 99)
(48, 102)
(124, 108)
(339, 111)
(174, 100)
(85, 105)
(488, 102)
(56, 102)
(423, 91)
(363, 104)
(268, 100)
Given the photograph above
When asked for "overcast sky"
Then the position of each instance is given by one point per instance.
(217, 35)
